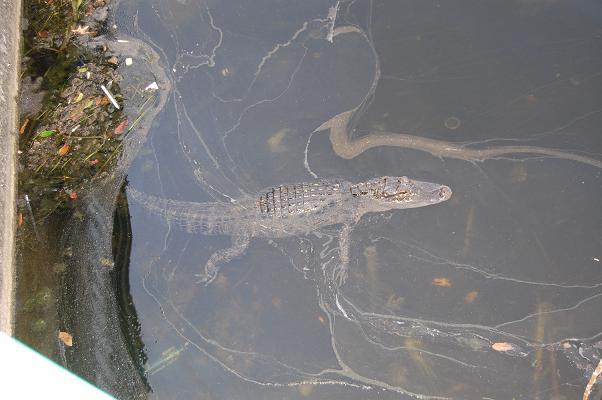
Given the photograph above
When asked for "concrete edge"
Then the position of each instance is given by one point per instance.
(10, 40)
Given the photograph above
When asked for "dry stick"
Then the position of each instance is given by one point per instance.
(347, 149)
(592, 381)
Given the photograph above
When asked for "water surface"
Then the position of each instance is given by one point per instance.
(472, 298)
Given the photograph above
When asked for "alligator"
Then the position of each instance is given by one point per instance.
(289, 210)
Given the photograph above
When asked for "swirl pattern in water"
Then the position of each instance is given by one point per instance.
(494, 293)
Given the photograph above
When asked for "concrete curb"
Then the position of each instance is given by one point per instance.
(10, 39)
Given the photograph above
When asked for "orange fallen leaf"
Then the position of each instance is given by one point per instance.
(66, 338)
(93, 162)
(23, 126)
(102, 100)
(471, 296)
(113, 60)
(73, 195)
(443, 282)
(20, 218)
(63, 150)
(503, 347)
(121, 127)
(43, 34)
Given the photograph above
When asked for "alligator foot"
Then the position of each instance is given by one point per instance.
(340, 271)
(240, 243)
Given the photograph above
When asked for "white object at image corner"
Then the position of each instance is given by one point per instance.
(26, 374)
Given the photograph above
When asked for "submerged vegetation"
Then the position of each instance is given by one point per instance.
(70, 137)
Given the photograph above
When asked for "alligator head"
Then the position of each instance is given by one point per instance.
(397, 192)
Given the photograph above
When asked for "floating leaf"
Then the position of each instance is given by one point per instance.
(66, 338)
(471, 296)
(121, 127)
(63, 150)
(503, 347)
(113, 60)
(443, 282)
(45, 134)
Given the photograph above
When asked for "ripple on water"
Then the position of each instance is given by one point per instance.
(452, 123)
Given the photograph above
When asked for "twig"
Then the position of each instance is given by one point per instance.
(592, 381)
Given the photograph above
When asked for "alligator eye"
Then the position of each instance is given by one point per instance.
(443, 193)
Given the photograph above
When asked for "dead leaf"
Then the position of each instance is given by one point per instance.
(82, 30)
(43, 34)
(102, 100)
(73, 195)
(63, 150)
(503, 347)
(113, 60)
(106, 262)
(471, 296)
(77, 112)
(23, 126)
(93, 162)
(66, 338)
(121, 127)
(20, 218)
(443, 282)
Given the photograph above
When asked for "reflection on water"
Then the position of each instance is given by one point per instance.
(493, 294)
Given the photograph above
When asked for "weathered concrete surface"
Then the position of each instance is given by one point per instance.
(10, 36)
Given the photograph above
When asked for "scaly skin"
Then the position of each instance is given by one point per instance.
(289, 210)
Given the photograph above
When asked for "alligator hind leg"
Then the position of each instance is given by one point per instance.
(340, 272)
(240, 243)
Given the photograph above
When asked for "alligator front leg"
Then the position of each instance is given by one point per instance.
(340, 272)
(240, 243)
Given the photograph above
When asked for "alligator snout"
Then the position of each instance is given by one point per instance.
(444, 193)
